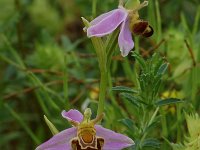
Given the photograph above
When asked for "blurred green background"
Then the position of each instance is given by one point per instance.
(46, 60)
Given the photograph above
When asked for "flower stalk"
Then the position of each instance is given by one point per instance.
(102, 94)
(94, 7)
(102, 60)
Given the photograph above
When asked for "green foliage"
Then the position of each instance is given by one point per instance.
(192, 141)
(52, 57)
(51, 126)
(123, 89)
(44, 15)
(167, 101)
(152, 71)
(48, 64)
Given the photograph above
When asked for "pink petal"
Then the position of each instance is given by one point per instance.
(107, 23)
(72, 115)
(101, 17)
(125, 39)
(60, 141)
(113, 140)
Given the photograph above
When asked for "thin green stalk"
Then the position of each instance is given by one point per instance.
(23, 124)
(106, 55)
(153, 116)
(65, 83)
(149, 123)
(101, 53)
(19, 27)
(42, 104)
(14, 53)
(136, 64)
(159, 29)
(196, 22)
(102, 60)
(179, 124)
(36, 82)
(9, 61)
(151, 14)
(111, 44)
(110, 86)
(164, 124)
(128, 70)
(102, 92)
(94, 8)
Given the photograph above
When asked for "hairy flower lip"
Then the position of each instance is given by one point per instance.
(62, 140)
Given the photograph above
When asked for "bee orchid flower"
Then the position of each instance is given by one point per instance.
(127, 20)
(86, 135)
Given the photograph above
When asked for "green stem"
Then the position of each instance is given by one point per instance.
(94, 8)
(23, 124)
(164, 123)
(158, 17)
(102, 60)
(153, 116)
(102, 93)
(179, 124)
(65, 83)
(149, 123)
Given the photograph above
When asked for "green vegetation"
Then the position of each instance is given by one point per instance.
(48, 65)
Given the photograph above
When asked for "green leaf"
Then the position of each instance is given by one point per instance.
(7, 137)
(140, 60)
(156, 87)
(157, 65)
(151, 126)
(134, 100)
(123, 89)
(178, 146)
(151, 142)
(127, 122)
(110, 45)
(86, 23)
(51, 126)
(23, 124)
(168, 101)
(162, 69)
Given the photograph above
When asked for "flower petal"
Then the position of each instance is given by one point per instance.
(101, 17)
(125, 39)
(113, 140)
(60, 141)
(72, 115)
(107, 23)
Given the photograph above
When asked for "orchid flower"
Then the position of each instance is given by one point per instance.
(85, 135)
(108, 22)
